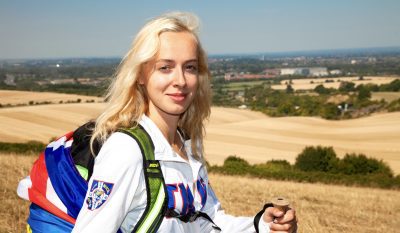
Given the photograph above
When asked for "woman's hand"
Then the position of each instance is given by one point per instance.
(280, 221)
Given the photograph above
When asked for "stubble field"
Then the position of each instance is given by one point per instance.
(247, 134)
(28, 97)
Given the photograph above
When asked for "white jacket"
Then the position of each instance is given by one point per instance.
(119, 165)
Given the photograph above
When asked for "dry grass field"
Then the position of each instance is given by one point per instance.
(258, 138)
(387, 96)
(42, 122)
(311, 83)
(13, 210)
(320, 208)
(24, 97)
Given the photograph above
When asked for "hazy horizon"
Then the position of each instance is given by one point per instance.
(105, 29)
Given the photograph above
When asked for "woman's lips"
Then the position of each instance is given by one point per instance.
(177, 97)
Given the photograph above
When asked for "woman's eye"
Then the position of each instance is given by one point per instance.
(191, 68)
(164, 68)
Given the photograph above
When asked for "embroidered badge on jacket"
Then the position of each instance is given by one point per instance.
(99, 193)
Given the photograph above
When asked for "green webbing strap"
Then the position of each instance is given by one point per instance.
(83, 171)
(155, 186)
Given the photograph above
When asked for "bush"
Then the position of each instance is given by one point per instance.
(353, 164)
(235, 165)
(392, 86)
(363, 93)
(318, 158)
(320, 89)
(289, 89)
(330, 111)
(274, 165)
(394, 106)
(22, 148)
(346, 87)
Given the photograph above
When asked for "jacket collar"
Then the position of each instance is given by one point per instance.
(162, 149)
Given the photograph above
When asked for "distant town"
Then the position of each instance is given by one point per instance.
(334, 84)
(274, 73)
(96, 71)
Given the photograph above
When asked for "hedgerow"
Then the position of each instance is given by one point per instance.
(22, 148)
(325, 167)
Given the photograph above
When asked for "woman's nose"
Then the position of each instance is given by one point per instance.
(179, 78)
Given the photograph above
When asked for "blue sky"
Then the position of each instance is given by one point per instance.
(90, 28)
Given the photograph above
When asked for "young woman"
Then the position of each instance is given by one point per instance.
(163, 85)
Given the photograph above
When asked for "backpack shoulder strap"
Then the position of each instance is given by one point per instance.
(154, 213)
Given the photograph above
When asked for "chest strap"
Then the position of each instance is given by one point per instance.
(191, 217)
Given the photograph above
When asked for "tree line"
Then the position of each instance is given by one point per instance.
(356, 103)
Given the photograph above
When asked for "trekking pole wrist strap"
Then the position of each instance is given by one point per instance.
(257, 218)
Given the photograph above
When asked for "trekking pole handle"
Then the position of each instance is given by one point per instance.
(281, 203)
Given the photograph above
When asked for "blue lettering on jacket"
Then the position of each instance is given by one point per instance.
(202, 189)
(181, 198)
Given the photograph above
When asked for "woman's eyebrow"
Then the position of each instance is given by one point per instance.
(192, 60)
(165, 60)
(172, 61)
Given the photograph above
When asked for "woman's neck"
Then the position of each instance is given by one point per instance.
(167, 124)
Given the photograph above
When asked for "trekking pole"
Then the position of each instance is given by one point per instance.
(281, 203)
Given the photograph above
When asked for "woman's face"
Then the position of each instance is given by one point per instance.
(171, 79)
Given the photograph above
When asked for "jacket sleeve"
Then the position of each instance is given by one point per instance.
(226, 222)
(110, 191)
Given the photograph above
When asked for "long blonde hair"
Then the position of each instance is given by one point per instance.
(126, 99)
